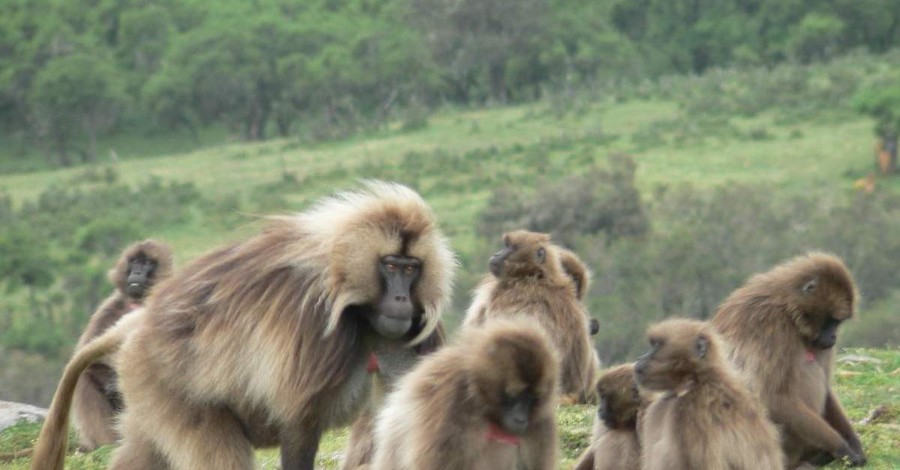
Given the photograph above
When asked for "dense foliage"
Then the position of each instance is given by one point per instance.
(73, 70)
(704, 244)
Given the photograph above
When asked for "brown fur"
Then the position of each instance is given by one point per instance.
(393, 365)
(543, 292)
(97, 400)
(439, 416)
(262, 343)
(50, 449)
(707, 417)
(771, 323)
(576, 270)
(614, 443)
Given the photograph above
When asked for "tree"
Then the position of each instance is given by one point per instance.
(78, 89)
(476, 39)
(882, 102)
(817, 37)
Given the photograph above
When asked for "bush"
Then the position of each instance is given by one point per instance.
(697, 246)
(603, 201)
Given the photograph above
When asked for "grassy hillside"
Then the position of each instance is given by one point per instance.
(862, 386)
(681, 133)
(470, 150)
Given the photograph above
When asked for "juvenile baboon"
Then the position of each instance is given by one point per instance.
(614, 442)
(97, 399)
(707, 417)
(266, 342)
(782, 327)
(485, 402)
(391, 364)
(528, 280)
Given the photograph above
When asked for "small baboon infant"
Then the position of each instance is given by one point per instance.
(614, 443)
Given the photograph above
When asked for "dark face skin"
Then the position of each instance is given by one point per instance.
(140, 276)
(648, 369)
(827, 335)
(394, 314)
(516, 411)
(495, 265)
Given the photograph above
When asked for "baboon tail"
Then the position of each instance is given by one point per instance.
(50, 449)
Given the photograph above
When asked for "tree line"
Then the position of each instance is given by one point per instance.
(73, 70)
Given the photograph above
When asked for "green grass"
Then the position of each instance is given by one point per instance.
(862, 387)
(465, 154)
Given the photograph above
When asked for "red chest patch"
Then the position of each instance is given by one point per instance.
(810, 356)
(133, 306)
(373, 365)
(495, 433)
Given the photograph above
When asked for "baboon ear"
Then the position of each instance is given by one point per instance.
(809, 286)
(701, 346)
(541, 254)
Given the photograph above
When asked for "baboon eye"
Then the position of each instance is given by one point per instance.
(541, 254)
(391, 267)
(410, 269)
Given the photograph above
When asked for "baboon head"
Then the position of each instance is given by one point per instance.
(140, 266)
(525, 254)
(681, 352)
(822, 297)
(512, 375)
(620, 399)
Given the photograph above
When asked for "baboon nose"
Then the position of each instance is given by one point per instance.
(401, 298)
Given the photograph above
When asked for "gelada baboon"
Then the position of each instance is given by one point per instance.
(614, 442)
(707, 418)
(391, 364)
(581, 276)
(267, 341)
(782, 326)
(528, 280)
(486, 402)
(97, 399)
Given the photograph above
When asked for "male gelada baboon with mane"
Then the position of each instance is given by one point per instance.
(266, 342)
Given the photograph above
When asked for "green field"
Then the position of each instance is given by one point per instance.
(461, 156)
(471, 148)
(862, 386)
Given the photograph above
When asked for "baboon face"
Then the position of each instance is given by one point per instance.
(825, 303)
(396, 309)
(523, 254)
(141, 270)
(514, 383)
(620, 399)
(678, 349)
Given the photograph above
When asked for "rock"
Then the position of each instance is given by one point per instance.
(11, 413)
(874, 415)
(854, 358)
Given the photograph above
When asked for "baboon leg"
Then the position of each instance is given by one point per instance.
(207, 438)
(361, 444)
(93, 416)
(298, 448)
(836, 417)
(808, 427)
(189, 436)
(138, 454)
(586, 461)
